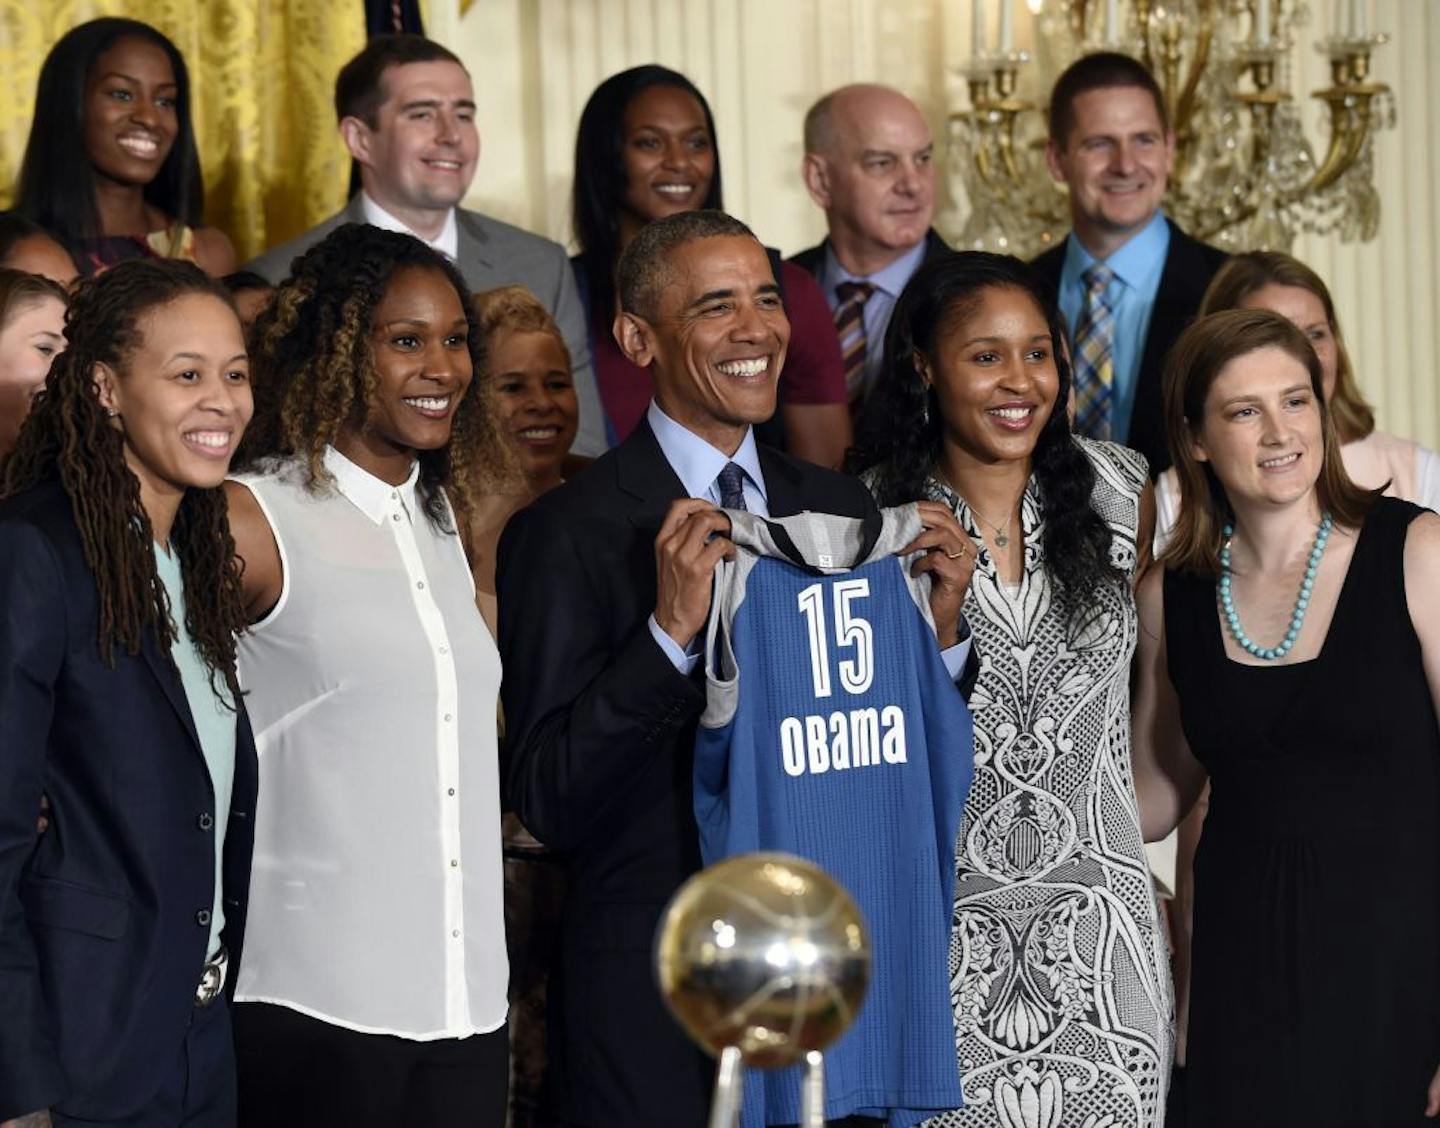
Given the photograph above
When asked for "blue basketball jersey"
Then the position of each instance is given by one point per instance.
(833, 731)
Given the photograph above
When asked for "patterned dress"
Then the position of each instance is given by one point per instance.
(1058, 970)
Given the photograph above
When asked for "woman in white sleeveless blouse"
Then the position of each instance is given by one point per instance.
(373, 984)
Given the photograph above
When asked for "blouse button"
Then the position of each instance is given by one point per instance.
(420, 584)
(202, 918)
(205, 821)
(450, 791)
(447, 716)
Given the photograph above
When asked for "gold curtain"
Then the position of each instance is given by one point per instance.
(262, 77)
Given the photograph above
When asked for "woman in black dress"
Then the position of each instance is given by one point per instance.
(1305, 682)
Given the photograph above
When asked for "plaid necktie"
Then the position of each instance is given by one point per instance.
(732, 487)
(850, 327)
(1094, 357)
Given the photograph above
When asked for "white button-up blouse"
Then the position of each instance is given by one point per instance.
(375, 892)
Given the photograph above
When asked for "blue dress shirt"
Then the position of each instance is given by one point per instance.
(698, 464)
(888, 283)
(1131, 294)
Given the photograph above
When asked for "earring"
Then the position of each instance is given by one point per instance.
(925, 412)
(111, 413)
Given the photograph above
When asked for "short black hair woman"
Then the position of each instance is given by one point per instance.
(1056, 944)
(646, 148)
(111, 167)
(1304, 679)
(119, 703)
(376, 992)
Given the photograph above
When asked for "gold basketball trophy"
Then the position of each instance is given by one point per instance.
(764, 960)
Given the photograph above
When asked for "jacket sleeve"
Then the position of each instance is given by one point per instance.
(32, 647)
(570, 315)
(585, 714)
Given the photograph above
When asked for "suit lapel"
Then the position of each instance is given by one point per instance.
(935, 246)
(643, 473)
(170, 683)
(783, 493)
(473, 245)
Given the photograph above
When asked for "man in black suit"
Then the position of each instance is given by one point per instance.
(604, 590)
(1126, 278)
(870, 164)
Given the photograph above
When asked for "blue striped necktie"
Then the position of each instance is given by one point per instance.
(1094, 356)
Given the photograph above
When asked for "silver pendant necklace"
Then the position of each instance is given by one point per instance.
(1002, 538)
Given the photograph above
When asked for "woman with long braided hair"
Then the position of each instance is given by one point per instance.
(119, 704)
(374, 987)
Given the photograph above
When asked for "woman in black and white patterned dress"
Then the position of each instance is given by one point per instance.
(1058, 971)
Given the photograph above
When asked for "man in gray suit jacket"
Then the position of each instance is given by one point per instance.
(407, 114)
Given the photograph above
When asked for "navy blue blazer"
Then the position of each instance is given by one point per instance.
(105, 918)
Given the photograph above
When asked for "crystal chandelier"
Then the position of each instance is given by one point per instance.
(1245, 174)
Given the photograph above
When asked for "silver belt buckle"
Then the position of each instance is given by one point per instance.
(212, 979)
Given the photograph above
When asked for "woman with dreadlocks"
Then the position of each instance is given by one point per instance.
(373, 990)
(118, 702)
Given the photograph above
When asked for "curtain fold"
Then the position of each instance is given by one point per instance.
(262, 78)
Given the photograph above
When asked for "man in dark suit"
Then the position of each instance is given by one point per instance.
(1126, 278)
(870, 164)
(406, 108)
(604, 590)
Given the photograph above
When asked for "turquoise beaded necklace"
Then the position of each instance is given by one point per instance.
(1302, 601)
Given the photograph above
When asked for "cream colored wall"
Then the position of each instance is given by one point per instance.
(761, 63)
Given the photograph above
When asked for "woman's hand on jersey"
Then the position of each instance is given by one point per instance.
(693, 538)
(950, 560)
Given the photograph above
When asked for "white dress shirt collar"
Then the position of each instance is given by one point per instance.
(447, 242)
(367, 492)
(696, 463)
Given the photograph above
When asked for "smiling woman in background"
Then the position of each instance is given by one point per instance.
(527, 369)
(646, 148)
(111, 166)
(32, 334)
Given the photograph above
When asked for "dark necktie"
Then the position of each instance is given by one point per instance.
(850, 327)
(732, 487)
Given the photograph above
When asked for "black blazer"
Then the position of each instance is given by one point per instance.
(601, 732)
(1189, 266)
(813, 258)
(104, 919)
